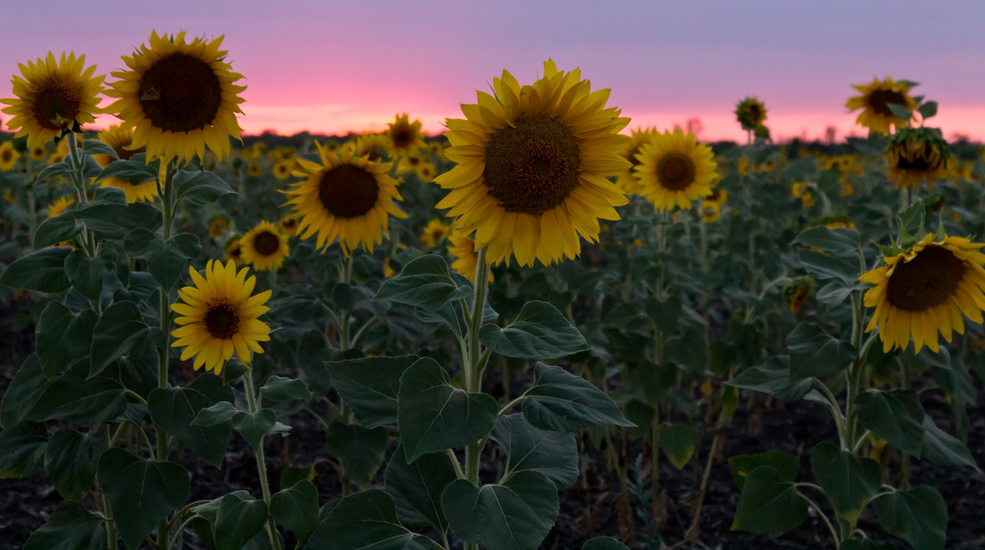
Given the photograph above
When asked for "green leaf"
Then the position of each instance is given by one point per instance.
(835, 292)
(769, 503)
(657, 380)
(70, 527)
(841, 241)
(87, 274)
(943, 449)
(290, 475)
(41, 271)
(896, 416)
(554, 454)
(665, 314)
(416, 487)
(70, 460)
(254, 427)
(540, 331)
(848, 481)
(134, 170)
(826, 266)
(239, 518)
(433, 415)
(365, 521)
(785, 464)
(279, 388)
(369, 387)
(297, 508)
(112, 222)
(359, 450)
(58, 229)
(425, 283)
(62, 336)
(900, 111)
(57, 169)
(22, 449)
(773, 378)
(604, 543)
(559, 400)
(641, 414)
(166, 261)
(200, 188)
(928, 109)
(141, 492)
(918, 516)
(516, 514)
(22, 393)
(75, 398)
(120, 331)
(174, 409)
(96, 147)
(814, 354)
(677, 442)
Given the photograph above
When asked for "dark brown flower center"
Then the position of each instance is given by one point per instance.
(880, 100)
(675, 171)
(222, 321)
(754, 113)
(532, 165)
(402, 136)
(266, 243)
(925, 159)
(348, 191)
(180, 93)
(716, 195)
(925, 281)
(236, 252)
(6, 155)
(289, 223)
(54, 101)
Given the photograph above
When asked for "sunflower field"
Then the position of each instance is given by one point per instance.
(545, 328)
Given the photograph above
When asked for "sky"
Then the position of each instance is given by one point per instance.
(333, 67)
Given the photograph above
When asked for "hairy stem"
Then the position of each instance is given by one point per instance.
(474, 364)
(261, 462)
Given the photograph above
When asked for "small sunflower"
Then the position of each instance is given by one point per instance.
(253, 170)
(434, 233)
(283, 169)
(38, 152)
(53, 97)
(8, 156)
(875, 101)
(916, 155)
(120, 140)
(219, 316)
(288, 225)
(675, 170)
(807, 199)
(178, 97)
(924, 290)
(751, 113)
(372, 146)
(710, 212)
(405, 136)
(426, 172)
(59, 206)
(234, 249)
(532, 167)
(798, 293)
(409, 163)
(265, 247)
(349, 198)
(626, 180)
(10, 196)
(462, 248)
(717, 197)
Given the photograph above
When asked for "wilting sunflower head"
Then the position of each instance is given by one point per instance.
(53, 97)
(346, 197)
(675, 170)
(234, 249)
(751, 113)
(8, 156)
(626, 180)
(264, 247)
(405, 136)
(219, 316)
(875, 100)
(462, 248)
(288, 225)
(283, 169)
(917, 155)
(178, 97)
(120, 140)
(532, 167)
(434, 233)
(924, 289)
(798, 293)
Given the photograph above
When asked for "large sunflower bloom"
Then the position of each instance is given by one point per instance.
(405, 136)
(917, 154)
(219, 316)
(626, 179)
(264, 247)
(349, 198)
(532, 167)
(675, 170)
(178, 97)
(120, 139)
(925, 290)
(875, 100)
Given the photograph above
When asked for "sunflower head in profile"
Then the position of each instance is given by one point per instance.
(626, 180)
(798, 293)
(178, 97)
(264, 247)
(282, 170)
(38, 152)
(751, 113)
(405, 136)
(917, 155)
(288, 225)
(346, 198)
(434, 233)
(875, 100)
(532, 167)
(120, 140)
(219, 316)
(59, 205)
(462, 248)
(53, 97)
(675, 170)
(923, 289)
(234, 249)
(8, 156)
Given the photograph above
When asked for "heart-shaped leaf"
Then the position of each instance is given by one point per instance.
(896, 416)
(239, 518)
(296, 508)
(425, 283)
(918, 516)
(174, 409)
(70, 460)
(559, 400)
(540, 331)
(813, 353)
(70, 527)
(369, 387)
(769, 503)
(848, 481)
(554, 454)
(416, 487)
(365, 521)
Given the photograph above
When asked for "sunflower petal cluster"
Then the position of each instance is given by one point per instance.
(675, 170)
(120, 140)
(626, 180)
(875, 100)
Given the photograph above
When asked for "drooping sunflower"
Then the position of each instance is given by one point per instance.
(532, 167)
(59, 205)
(178, 97)
(283, 169)
(53, 97)
(288, 225)
(917, 155)
(8, 156)
(38, 152)
(626, 179)
(924, 290)
(405, 136)
(234, 249)
(264, 247)
(345, 197)
(675, 170)
(462, 248)
(434, 233)
(219, 316)
(751, 113)
(120, 139)
(798, 293)
(875, 101)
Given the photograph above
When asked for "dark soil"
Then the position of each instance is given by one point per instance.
(795, 428)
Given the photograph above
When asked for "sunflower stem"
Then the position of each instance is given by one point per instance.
(78, 181)
(261, 460)
(32, 214)
(163, 446)
(346, 313)
(474, 364)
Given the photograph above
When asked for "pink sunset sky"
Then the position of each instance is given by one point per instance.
(334, 67)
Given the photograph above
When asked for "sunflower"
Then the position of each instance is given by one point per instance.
(8, 156)
(710, 212)
(751, 113)
(59, 206)
(409, 163)
(798, 293)
(283, 169)
(426, 172)
(798, 188)
(253, 170)
(53, 97)
(38, 152)
(917, 154)
(434, 233)
(120, 139)
(532, 167)
(217, 226)
(265, 247)
(835, 222)
(717, 197)
(288, 225)
(179, 97)
(924, 290)
(219, 316)
(234, 249)
(349, 198)
(875, 101)
(807, 199)
(675, 170)
(372, 145)
(10, 196)
(405, 136)
(462, 248)
(626, 180)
